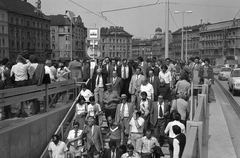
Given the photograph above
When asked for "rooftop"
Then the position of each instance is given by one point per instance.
(59, 20)
(112, 30)
(192, 28)
(22, 7)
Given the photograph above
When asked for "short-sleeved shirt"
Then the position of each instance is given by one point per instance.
(59, 150)
(134, 128)
(71, 135)
(148, 88)
(170, 130)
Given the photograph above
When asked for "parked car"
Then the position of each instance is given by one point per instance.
(224, 73)
(234, 81)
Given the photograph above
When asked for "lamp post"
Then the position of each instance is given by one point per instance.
(178, 12)
(186, 51)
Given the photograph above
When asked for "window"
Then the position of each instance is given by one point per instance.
(53, 46)
(53, 38)
(3, 42)
(3, 53)
(28, 23)
(2, 29)
(17, 21)
(22, 45)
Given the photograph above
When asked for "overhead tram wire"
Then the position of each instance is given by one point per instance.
(127, 8)
(173, 19)
(219, 6)
(237, 14)
(102, 17)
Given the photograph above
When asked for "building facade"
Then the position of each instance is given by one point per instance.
(191, 42)
(4, 49)
(64, 47)
(219, 40)
(115, 42)
(28, 29)
(142, 47)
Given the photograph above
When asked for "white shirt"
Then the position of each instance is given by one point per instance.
(32, 69)
(135, 155)
(122, 71)
(71, 135)
(162, 105)
(148, 88)
(86, 94)
(170, 130)
(80, 108)
(59, 150)
(134, 129)
(166, 76)
(144, 106)
(49, 71)
(91, 111)
(126, 111)
(20, 71)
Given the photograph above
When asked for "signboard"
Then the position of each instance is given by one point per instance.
(93, 53)
(93, 34)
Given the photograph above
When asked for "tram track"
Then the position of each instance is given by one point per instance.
(230, 98)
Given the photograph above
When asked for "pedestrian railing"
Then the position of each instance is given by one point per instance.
(197, 126)
(47, 91)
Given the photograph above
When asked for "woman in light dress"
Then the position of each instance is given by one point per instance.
(94, 110)
(81, 112)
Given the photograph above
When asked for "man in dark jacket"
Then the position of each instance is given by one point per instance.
(113, 151)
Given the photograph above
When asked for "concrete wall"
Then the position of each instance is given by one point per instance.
(28, 139)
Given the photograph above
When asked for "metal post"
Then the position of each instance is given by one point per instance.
(186, 54)
(182, 35)
(115, 44)
(71, 57)
(93, 50)
(167, 29)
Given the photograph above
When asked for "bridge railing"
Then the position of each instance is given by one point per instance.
(197, 126)
(49, 92)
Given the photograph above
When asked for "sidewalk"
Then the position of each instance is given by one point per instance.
(219, 144)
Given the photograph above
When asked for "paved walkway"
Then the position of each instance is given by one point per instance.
(220, 143)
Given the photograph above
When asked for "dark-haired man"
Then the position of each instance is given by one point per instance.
(153, 67)
(57, 148)
(113, 151)
(146, 144)
(130, 152)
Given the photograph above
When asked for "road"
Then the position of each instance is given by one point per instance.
(232, 119)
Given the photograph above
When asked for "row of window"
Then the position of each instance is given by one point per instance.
(2, 53)
(116, 54)
(30, 34)
(3, 30)
(219, 43)
(112, 40)
(217, 36)
(28, 45)
(27, 22)
(2, 42)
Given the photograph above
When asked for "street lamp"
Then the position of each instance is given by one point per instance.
(178, 12)
(186, 53)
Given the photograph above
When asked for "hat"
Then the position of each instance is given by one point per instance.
(124, 96)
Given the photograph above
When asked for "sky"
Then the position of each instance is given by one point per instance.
(142, 22)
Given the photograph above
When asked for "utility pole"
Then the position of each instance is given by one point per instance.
(167, 29)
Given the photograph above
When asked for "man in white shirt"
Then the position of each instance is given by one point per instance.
(169, 130)
(166, 75)
(148, 88)
(136, 128)
(57, 148)
(74, 140)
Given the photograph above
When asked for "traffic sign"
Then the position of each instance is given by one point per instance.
(93, 53)
(93, 34)
(93, 42)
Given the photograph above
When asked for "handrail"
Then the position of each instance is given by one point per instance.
(198, 126)
(64, 121)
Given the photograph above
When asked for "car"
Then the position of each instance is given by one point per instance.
(234, 81)
(224, 73)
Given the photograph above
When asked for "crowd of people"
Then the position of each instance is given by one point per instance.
(144, 102)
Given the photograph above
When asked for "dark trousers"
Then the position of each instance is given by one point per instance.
(143, 155)
(170, 142)
(21, 84)
(125, 88)
(110, 112)
(159, 130)
(92, 152)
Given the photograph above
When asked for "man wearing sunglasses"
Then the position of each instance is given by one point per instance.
(130, 152)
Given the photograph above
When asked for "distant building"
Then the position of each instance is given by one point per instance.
(115, 43)
(28, 29)
(141, 47)
(61, 41)
(4, 48)
(158, 44)
(193, 39)
(220, 40)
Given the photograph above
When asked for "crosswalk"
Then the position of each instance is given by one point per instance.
(106, 139)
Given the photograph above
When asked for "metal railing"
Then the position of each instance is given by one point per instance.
(197, 126)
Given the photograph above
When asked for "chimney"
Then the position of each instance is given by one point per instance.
(201, 22)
